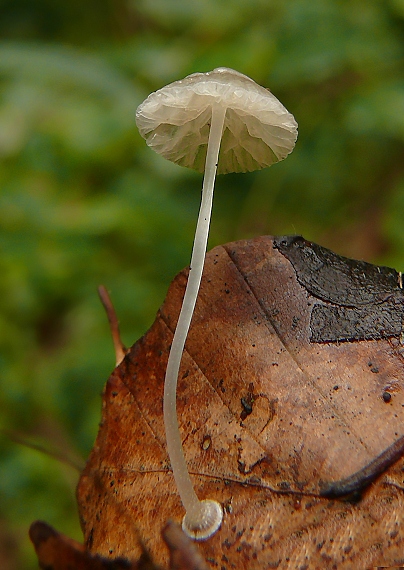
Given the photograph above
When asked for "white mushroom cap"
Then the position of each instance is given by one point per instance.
(258, 130)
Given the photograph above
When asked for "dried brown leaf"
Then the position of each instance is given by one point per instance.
(271, 414)
(56, 551)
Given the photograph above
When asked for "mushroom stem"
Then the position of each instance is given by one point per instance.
(203, 518)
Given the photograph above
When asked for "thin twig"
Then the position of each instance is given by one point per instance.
(120, 349)
(57, 454)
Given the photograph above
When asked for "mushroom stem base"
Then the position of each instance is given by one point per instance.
(203, 522)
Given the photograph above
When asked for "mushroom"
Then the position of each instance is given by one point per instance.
(220, 121)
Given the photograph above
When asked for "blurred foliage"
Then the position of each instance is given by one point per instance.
(83, 201)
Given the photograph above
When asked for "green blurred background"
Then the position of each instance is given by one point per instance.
(83, 201)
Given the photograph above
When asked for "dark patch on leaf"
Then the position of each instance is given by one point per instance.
(359, 300)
